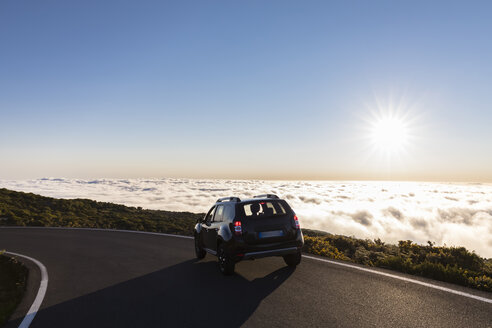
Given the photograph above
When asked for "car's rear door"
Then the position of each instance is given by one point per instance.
(207, 226)
(273, 223)
(213, 228)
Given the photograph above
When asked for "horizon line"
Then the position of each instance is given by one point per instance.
(255, 179)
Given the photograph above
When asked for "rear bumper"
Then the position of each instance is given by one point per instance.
(240, 250)
(273, 252)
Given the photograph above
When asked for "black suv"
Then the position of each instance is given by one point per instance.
(236, 230)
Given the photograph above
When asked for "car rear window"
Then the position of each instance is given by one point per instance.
(263, 209)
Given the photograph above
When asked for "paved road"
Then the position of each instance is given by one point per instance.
(118, 279)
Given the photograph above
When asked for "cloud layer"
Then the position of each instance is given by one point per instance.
(451, 214)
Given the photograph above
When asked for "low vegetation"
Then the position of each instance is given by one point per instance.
(13, 277)
(27, 209)
(450, 264)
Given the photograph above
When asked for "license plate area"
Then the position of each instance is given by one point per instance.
(270, 234)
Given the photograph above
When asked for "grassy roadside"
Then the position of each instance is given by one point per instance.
(451, 264)
(27, 209)
(13, 278)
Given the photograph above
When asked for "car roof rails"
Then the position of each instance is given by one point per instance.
(228, 199)
(267, 196)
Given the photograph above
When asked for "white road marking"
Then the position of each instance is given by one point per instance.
(33, 310)
(414, 281)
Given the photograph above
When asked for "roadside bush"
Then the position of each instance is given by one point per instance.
(316, 246)
(450, 264)
(13, 277)
(27, 209)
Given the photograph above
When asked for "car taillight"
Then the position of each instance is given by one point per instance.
(238, 229)
(296, 221)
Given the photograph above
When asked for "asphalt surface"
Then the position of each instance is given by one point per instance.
(118, 279)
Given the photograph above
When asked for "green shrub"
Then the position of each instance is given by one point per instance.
(316, 246)
(13, 277)
(27, 209)
(450, 264)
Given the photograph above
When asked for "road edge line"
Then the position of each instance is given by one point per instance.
(414, 281)
(43, 286)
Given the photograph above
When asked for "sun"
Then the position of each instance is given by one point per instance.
(389, 133)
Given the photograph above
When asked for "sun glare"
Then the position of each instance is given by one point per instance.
(391, 131)
(389, 134)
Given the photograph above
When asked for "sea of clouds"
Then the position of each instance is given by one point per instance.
(445, 213)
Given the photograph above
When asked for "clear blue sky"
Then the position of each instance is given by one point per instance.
(244, 89)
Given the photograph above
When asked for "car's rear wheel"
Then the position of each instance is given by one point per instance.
(226, 264)
(293, 260)
(199, 251)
